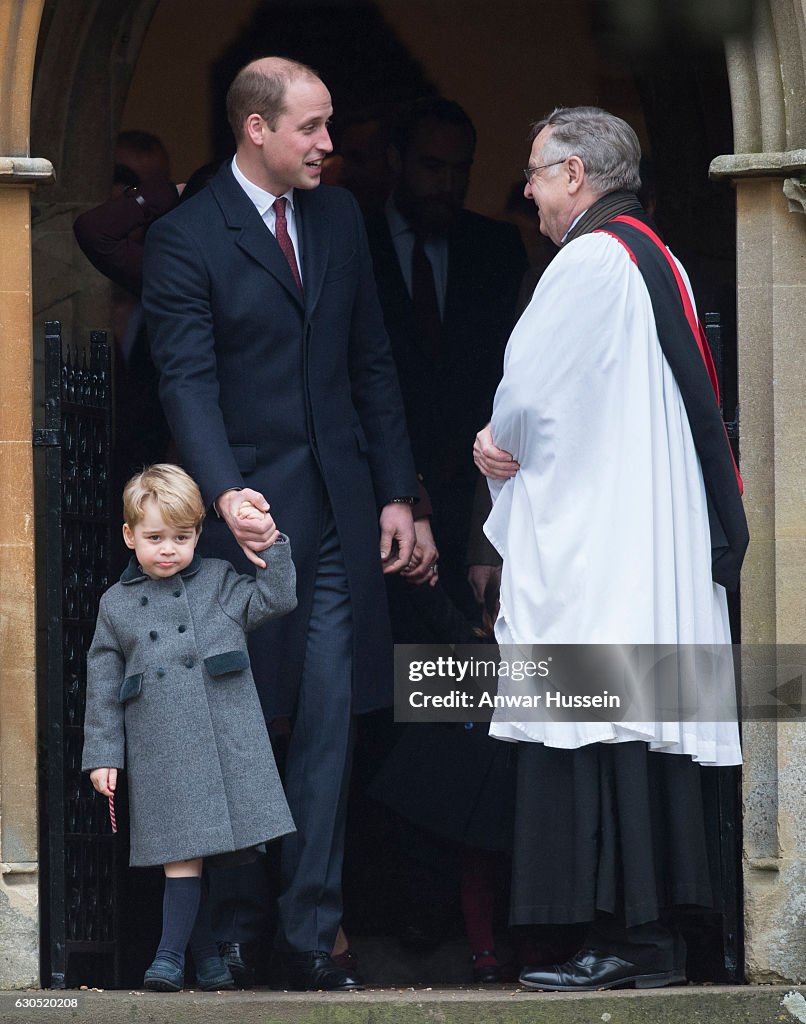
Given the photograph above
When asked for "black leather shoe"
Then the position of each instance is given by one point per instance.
(591, 969)
(232, 955)
(489, 973)
(315, 971)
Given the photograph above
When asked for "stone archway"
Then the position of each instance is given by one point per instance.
(71, 49)
(74, 50)
(85, 60)
(768, 95)
(19, 26)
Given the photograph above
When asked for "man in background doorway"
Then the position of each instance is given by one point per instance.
(448, 282)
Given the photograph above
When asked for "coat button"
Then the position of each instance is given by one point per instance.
(153, 634)
(188, 662)
(143, 600)
(177, 593)
(182, 629)
(160, 672)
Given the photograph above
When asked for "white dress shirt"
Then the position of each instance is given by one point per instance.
(264, 204)
(436, 249)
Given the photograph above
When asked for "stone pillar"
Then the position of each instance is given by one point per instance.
(19, 919)
(771, 275)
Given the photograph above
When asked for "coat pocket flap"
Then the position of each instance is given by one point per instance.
(132, 685)
(230, 661)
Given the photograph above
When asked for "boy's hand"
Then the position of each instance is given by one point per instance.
(246, 510)
(253, 533)
(105, 780)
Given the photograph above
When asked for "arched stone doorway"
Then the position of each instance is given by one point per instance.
(769, 115)
(74, 92)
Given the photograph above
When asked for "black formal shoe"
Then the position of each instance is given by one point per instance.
(315, 971)
(232, 955)
(489, 973)
(591, 969)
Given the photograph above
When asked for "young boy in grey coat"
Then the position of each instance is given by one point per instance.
(170, 697)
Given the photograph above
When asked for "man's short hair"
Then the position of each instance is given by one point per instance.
(139, 154)
(605, 144)
(256, 91)
(175, 493)
(140, 142)
(429, 108)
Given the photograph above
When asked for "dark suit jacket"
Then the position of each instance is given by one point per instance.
(298, 400)
(447, 402)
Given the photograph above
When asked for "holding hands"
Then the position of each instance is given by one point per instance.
(422, 566)
(246, 513)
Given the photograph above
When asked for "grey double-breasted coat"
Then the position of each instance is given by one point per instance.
(170, 697)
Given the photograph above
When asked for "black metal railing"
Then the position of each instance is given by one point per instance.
(82, 869)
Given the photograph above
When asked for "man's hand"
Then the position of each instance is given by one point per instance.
(485, 581)
(493, 462)
(397, 536)
(481, 578)
(422, 567)
(252, 533)
(105, 780)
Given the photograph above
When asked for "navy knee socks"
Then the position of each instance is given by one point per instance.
(180, 905)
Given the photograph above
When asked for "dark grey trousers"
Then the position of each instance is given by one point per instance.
(317, 773)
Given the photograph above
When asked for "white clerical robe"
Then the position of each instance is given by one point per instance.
(604, 530)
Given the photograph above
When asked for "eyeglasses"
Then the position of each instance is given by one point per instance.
(530, 172)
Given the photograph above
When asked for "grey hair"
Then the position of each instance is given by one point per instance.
(606, 145)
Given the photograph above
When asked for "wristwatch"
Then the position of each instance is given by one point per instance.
(134, 192)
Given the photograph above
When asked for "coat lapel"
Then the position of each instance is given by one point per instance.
(313, 226)
(252, 235)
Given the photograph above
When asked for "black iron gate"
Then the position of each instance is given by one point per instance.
(80, 926)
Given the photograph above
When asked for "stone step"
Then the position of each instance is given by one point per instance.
(691, 1004)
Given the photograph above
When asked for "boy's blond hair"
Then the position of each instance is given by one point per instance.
(176, 495)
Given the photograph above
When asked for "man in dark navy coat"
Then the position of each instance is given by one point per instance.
(279, 386)
(449, 358)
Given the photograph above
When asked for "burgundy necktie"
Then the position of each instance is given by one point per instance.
(424, 297)
(284, 239)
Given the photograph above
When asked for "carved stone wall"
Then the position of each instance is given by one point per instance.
(19, 921)
(768, 95)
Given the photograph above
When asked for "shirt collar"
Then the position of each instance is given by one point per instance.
(134, 574)
(262, 199)
(573, 222)
(398, 225)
